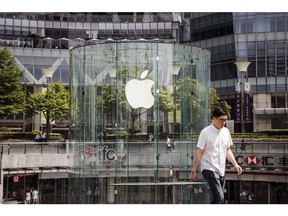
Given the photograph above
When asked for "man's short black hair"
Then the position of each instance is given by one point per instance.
(219, 111)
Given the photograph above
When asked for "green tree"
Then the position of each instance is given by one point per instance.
(107, 98)
(53, 103)
(215, 101)
(189, 94)
(12, 96)
(165, 100)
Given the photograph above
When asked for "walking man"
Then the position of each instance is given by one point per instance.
(212, 149)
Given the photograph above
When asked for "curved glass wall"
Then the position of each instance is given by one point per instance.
(137, 108)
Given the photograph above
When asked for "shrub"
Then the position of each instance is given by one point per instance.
(26, 135)
(4, 129)
(36, 132)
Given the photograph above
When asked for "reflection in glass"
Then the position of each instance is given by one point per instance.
(110, 133)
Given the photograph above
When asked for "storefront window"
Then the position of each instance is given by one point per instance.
(136, 110)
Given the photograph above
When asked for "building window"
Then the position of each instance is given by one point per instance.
(251, 25)
(261, 27)
(261, 68)
(280, 24)
(187, 15)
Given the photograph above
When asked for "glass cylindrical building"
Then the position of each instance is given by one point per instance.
(136, 110)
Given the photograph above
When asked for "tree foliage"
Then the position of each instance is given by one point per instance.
(108, 98)
(165, 100)
(215, 101)
(189, 100)
(53, 103)
(12, 96)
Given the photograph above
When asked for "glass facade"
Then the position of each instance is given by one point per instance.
(111, 119)
(41, 40)
(260, 38)
(64, 30)
(51, 191)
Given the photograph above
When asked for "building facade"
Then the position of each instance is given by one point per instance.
(259, 38)
(44, 41)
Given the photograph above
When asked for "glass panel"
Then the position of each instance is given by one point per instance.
(260, 148)
(280, 24)
(241, 26)
(121, 93)
(277, 148)
(261, 25)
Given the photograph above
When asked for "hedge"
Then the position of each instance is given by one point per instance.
(26, 135)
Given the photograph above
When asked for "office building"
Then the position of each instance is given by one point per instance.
(259, 38)
(113, 167)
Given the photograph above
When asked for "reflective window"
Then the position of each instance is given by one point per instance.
(261, 25)
(270, 24)
(251, 27)
(261, 72)
(280, 24)
(251, 71)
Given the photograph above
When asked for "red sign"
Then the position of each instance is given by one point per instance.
(89, 150)
(16, 179)
(252, 160)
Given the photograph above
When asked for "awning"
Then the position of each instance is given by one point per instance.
(17, 171)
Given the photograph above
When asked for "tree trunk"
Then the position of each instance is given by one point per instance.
(47, 128)
(133, 116)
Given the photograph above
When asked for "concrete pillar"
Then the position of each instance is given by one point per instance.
(111, 191)
(261, 101)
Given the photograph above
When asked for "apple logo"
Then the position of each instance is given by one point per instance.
(138, 92)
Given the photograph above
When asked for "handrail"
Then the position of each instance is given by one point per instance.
(158, 183)
(264, 147)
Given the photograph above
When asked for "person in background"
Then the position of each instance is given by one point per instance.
(213, 147)
(173, 144)
(43, 137)
(150, 138)
(104, 135)
(35, 196)
(28, 197)
(249, 198)
(243, 145)
(168, 144)
(38, 137)
(96, 195)
(88, 195)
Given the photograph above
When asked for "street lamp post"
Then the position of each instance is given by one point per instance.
(48, 73)
(242, 67)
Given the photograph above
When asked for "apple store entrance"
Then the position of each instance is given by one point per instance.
(136, 110)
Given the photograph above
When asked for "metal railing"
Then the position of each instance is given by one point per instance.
(250, 147)
(13, 148)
